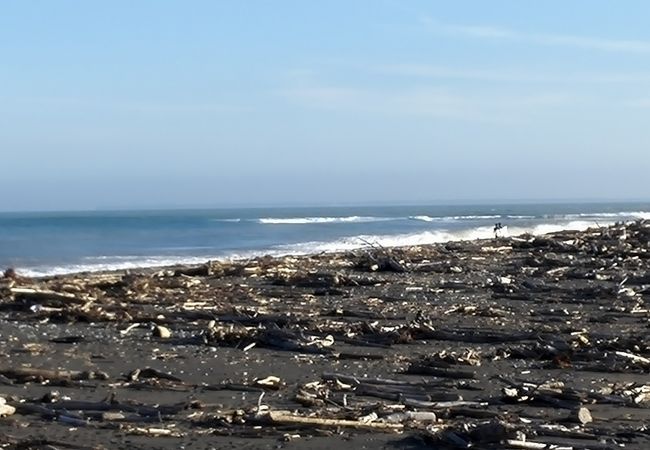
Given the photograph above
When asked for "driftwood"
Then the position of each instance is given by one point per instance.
(151, 373)
(474, 336)
(287, 418)
(380, 381)
(47, 297)
(57, 409)
(25, 374)
(444, 372)
(422, 417)
(581, 416)
(404, 395)
(530, 445)
(441, 405)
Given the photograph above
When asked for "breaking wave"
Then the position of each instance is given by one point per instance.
(310, 220)
(429, 237)
(452, 218)
(227, 220)
(623, 215)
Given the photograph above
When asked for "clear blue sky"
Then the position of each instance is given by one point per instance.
(127, 104)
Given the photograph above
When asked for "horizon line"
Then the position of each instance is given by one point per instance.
(301, 205)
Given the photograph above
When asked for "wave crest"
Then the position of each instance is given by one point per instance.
(312, 220)
(451, 218)
(428, 237)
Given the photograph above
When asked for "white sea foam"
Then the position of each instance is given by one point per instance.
(429, 237)
(643, 215)
(425, 218)
(544, 228)
(312, 220)
(112, 263)
(453, 218)
(622, 215)
(355, 242)
(493, 216)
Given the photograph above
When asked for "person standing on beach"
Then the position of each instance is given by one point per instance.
(497, 227)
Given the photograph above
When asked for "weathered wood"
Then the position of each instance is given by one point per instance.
(409, 391)
(28, 408)
(350, 379)
(22, 374)
(635, 358)
(52, 410)
(581, 416)
(148, 372)
(444, 372)
(287, 418)
(414, 416)
(47, 296)
(82, 406)
(439, 405)
(528, 445)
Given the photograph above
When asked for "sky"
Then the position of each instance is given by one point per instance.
(160, 103)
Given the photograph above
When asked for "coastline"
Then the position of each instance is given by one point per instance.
(578, 222)
(517, 333)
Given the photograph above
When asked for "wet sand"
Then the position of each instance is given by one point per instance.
(501, 339)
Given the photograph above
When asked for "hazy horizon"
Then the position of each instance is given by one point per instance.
(351, 206)
(202, 104)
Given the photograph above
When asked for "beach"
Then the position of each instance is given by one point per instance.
(324, 225)
(503, 342)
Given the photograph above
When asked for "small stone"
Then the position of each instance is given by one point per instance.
(6, 410)
(510, 392)
(162, 332)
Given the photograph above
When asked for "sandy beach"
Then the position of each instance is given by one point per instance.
(498, 343)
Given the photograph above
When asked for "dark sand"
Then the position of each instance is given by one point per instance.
(545, 316)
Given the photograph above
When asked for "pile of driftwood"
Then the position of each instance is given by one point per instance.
(530, 342)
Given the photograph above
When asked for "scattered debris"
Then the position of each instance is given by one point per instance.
(527, 342)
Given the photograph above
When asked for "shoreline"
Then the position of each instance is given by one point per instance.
(479, 342)
(360, 244)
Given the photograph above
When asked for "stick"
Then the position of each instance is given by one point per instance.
(23, 373)
(633, 357)
(44, 296)
(286, 418)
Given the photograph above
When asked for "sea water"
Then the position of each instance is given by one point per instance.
(50, 243)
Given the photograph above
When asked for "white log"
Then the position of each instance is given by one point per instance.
(634, 357)
(287, 418)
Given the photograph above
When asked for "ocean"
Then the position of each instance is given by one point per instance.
(39, 244)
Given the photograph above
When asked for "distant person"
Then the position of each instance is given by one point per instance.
(497, 228)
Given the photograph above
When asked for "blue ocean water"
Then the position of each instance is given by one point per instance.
(55, 243)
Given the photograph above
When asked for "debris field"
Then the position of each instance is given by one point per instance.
(528, 342)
